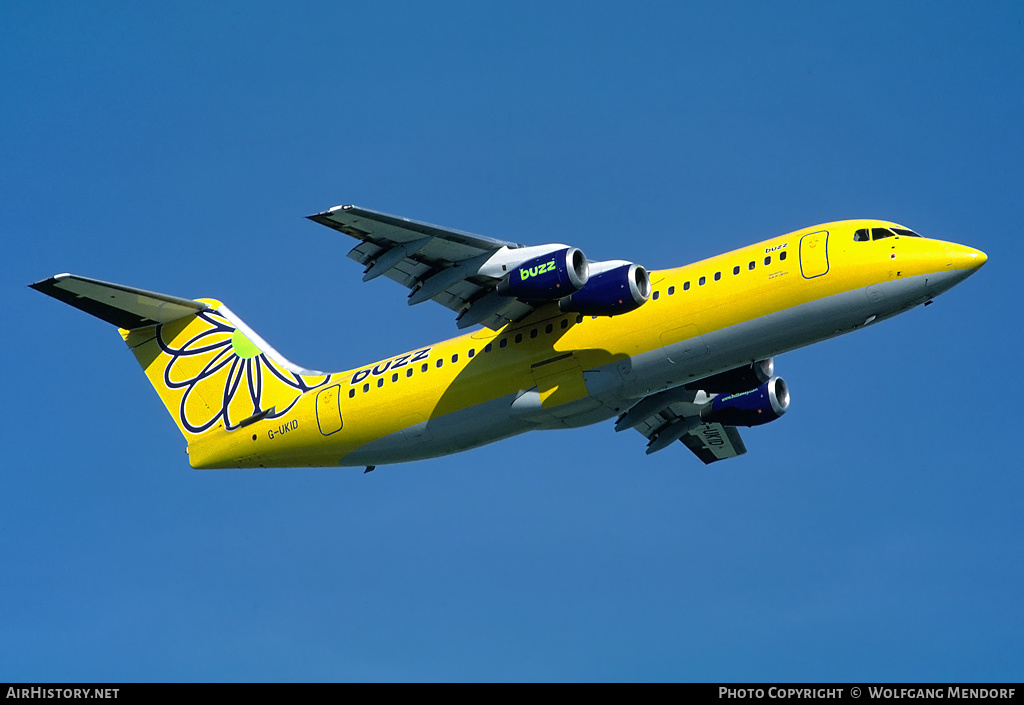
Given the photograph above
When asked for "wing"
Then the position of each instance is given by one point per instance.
(674, 415)
(458, 270)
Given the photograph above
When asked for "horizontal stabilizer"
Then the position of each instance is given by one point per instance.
(123, 306)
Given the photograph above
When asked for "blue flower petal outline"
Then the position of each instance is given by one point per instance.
(252, 369)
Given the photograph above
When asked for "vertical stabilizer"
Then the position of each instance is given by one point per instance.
(211, 371)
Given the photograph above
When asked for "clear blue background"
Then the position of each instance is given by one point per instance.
(872, 534)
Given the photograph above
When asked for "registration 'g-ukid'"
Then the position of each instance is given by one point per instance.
(558, 341)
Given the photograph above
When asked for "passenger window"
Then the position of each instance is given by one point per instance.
(736, 270)
(671, 290)
(366, 387)
(394, 377)
(472, 352)
(519, 337)
(533, 333)
(440, 362)
(548, 328)
(424, 367)
(487, 348)
(351, 393)
(380, 382)
(700, 282)
(751, 266)
(565, 323)
(579, 318)
(686, 286)
(455, 358)
(718, 276)
(782, 255)
(503, 343)
(656, 295)
(408, 372)
(861, 235)
(767, 260)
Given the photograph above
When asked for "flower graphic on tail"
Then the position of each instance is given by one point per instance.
(225, 377)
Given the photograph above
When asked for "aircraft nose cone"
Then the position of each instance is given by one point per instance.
(963, 257)
(956, 263)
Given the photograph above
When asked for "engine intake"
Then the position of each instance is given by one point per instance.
(621, 288)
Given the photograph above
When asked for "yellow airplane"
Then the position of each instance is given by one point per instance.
(681, 354)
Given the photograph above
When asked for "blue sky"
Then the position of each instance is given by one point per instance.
(873, 533)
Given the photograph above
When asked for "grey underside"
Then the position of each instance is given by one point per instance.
(616, 387)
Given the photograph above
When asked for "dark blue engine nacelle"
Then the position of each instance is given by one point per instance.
(619, 289)
(548, 277)
(766, 403)
(739, 379)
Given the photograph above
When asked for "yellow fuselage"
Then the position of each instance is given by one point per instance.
(555, 369)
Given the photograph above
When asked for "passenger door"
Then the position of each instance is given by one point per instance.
(814, 254)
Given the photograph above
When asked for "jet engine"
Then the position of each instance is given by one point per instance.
(548, 277)
(614, 287)
(751, 408)
(737, 380)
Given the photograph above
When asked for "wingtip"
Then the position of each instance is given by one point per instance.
(43, 284)
(332, 209)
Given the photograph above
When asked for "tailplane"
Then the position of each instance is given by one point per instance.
(211, 371)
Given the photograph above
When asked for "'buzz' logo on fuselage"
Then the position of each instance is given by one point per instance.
(394, 364)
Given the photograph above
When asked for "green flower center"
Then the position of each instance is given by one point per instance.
(242, 346)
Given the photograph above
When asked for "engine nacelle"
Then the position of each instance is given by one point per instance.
(752, 408)
(737, 380)
(620, 288)
(548, 277)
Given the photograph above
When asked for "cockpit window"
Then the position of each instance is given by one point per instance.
(865, 234)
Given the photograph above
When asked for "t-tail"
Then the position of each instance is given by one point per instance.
(214, 374)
